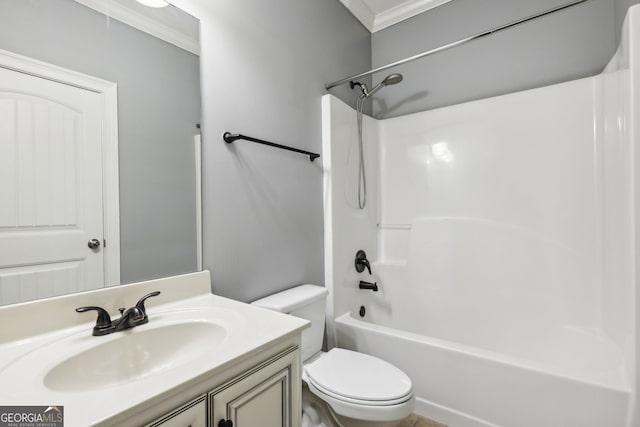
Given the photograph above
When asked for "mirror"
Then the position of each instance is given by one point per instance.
(100, 149)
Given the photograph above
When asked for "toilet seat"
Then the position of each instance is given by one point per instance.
(366, 412)
(358, 401)
(359, 377)
(360, 386)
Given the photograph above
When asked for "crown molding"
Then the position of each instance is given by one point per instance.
(404, 11)
(144, 23)
(376, 22)
(360, 10)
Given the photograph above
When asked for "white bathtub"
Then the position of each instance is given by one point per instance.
(461, 385)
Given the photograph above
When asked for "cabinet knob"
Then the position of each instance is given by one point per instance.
(225, 423)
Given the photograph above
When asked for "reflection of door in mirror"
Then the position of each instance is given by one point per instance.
(148, 172)
(51, 166)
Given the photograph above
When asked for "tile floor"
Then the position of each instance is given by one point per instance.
(314, 402)
(414, 420)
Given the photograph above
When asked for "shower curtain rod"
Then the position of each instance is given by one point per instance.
(454, 44)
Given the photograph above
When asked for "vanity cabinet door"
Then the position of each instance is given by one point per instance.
(193, 414)
(261, 397)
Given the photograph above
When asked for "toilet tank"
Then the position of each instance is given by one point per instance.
(304, 301)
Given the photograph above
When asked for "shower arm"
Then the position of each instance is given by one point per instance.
(454, 44)
(363, 87)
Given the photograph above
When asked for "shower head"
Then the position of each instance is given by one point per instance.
(391, 79)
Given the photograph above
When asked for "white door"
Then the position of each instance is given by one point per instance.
(51, 202)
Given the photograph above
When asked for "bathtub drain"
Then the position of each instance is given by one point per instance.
(362, 311)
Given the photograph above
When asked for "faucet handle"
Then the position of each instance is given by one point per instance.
(140, 303)
(103, 322)
(361, 262)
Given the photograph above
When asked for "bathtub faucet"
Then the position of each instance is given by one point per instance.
(367, 285)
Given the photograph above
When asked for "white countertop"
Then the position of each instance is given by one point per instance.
(24, 331)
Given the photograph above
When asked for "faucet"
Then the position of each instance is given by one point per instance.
(129, 318)
(367, 285)
(361, 262)
(134, 316)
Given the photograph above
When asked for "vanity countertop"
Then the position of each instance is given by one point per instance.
(38, 337)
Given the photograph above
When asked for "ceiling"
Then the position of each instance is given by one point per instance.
(378, 14)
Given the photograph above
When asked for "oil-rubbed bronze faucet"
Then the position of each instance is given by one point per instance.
(361, 262)
(368, 285)
(130, 318)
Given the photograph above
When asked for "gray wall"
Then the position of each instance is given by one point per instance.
(158, 101)
(264, 66)
(571, 44)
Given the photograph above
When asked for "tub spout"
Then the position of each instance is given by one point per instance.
(367, 285)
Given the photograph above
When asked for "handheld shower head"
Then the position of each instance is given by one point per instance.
(391, 79)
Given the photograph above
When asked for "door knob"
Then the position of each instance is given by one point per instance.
(94, 244)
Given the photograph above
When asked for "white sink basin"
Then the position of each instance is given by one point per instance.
(80, 362)
(133, 355)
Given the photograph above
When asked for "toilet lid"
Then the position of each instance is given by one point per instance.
(358, 376)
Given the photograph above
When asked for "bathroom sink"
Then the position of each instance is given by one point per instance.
(133, 356)
(79, 362)
(193, 341)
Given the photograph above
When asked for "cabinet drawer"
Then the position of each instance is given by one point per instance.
(193, 414)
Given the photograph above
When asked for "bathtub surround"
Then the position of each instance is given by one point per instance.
(620, 9)
(501, 243)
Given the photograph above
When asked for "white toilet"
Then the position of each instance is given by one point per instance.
(363, 388)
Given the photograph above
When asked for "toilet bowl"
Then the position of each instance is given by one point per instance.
(358, 388)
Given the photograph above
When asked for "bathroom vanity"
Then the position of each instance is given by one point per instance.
(201, 360)
(261, 395)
